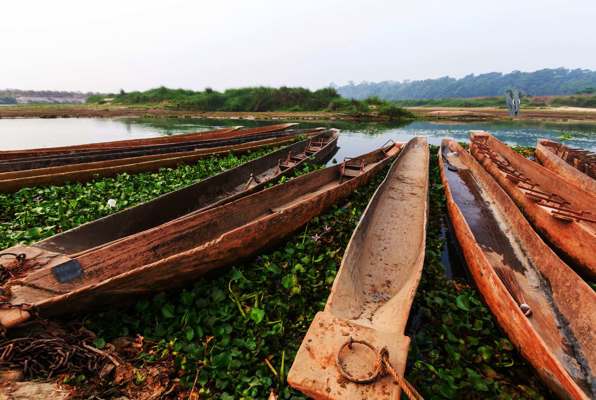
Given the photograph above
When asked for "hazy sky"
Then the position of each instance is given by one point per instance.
(111, 44)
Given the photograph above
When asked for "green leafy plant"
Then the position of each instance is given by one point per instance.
(32, 214)
(235, 333)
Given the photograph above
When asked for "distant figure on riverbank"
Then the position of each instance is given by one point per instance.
(513, 101)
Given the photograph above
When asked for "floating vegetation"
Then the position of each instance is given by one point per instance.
(234, 333)
(32, 214)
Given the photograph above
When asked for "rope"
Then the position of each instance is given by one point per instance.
(382, 367)
(20, 257)
(5, 273)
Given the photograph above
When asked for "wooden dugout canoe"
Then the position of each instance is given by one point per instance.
(518, 274)
(134, 143)
(562, 212)
(371, 296)
(576, 166)
(174, 253)
(12, 181)
(219, 189)
(31, 163)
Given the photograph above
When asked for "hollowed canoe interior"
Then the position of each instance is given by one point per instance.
(510, 261)
(171, 205)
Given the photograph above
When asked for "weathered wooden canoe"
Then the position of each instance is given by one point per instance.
(545, 308)
(576, 166)
(172, 254)
(562, 212)
(224, 133)
(104, 155)
(371, 296)
(219, 189)
(12, 181)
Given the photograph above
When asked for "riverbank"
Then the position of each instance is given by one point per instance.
(109, 111)
(548, 114)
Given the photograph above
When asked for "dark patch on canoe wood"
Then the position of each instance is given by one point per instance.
(68, 271)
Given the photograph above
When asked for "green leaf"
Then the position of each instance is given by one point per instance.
(257, 315)
(462, 302)
(485, 352)
(99, 342)
(167, 310)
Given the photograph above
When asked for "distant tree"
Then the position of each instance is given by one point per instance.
(559, 81)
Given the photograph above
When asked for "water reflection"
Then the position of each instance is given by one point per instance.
(356, 138)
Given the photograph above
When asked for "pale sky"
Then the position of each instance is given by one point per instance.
(111, 44)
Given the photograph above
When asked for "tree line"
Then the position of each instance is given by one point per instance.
(545, 82)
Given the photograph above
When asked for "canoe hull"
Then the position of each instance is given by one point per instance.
(133, 143)
(575, 239)
(373, 291)
(34, 163)
(546, 154)
(219, 189)
(496, 295)
(10, 182)
(178, 269)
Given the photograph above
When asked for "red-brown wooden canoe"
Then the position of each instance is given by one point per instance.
(236, 131)
(371, 296)
(562, 212)
(174, 253)
(28, 163)
(12, 181)
(219, 189)
(576, 166)
(545, 308)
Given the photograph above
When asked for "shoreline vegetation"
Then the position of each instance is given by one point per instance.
(258, 99)
(233, 333)
(455, 114)
(299, 104)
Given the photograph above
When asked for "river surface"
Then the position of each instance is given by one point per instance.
(356, 138)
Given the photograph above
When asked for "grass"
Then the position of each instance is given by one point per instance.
(234, 334)
(258, 99)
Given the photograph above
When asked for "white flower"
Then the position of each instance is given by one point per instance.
(111, 203)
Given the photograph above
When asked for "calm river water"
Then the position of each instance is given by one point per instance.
(356, 138)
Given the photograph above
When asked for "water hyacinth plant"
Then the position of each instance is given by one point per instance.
(234, 333)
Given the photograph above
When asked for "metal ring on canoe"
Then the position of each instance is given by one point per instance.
(382, 366)
(378, 368)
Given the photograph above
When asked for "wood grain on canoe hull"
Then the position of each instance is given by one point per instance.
(512, 266)
(575, 238)
(551, 155)
(219, 189)
(172, 254)
(371, 296)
